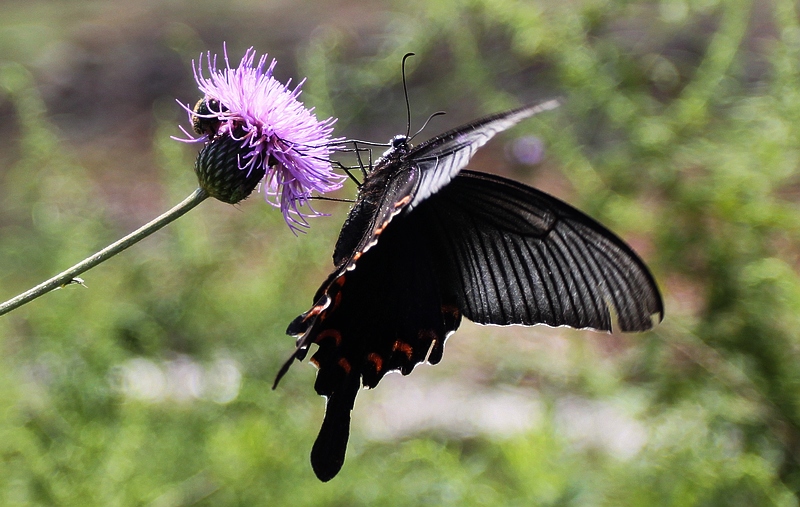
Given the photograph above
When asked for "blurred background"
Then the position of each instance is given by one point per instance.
(680, 130)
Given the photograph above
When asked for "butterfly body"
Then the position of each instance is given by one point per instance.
(427, 243)
(370, 194)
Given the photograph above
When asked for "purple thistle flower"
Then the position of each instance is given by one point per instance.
(274, 135)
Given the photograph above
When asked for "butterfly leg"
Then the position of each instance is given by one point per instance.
(327, 455)
(361, 162)
(347, 170)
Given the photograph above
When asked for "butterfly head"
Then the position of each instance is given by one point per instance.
(399, 145)
(400, 142)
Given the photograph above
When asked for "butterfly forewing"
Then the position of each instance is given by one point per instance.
(441, 158)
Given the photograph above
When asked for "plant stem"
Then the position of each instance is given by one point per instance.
(69, 275)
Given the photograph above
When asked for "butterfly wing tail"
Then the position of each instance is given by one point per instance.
(327, 455)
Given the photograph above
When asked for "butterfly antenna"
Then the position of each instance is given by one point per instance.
(405, 92)
(434, 115)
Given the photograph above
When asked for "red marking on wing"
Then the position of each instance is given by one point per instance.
(403, 347)
(402, 202)
(427, 334)
(330, 333)
(313, 312)
(376, 360)
(451, 310)
(380, 229)
(345, 364)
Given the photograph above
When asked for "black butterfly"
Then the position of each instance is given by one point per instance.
(427, 243)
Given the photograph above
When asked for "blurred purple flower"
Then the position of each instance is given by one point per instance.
(278, 136)
(528, 150)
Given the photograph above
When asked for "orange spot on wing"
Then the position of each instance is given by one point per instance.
(376, 360)
(345, 364)
(403, 347)
(380, 229)
(313, 312)
(402, 202)
(451, 309)
(330, 333)
(427, 334)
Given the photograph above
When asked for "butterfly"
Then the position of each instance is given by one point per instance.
(428, 243)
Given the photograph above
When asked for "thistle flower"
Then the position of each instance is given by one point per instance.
(255, 129)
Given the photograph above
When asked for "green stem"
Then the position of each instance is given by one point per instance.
(69, 275)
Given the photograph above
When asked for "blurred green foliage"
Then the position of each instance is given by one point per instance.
(680, 130)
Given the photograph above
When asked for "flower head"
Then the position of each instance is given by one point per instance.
(253, 124)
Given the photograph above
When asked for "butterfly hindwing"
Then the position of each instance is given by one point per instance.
(381, 199)
(386, 315)
(515, 255)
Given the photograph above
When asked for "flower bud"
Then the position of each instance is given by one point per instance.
(219, 171)
(255, 127)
